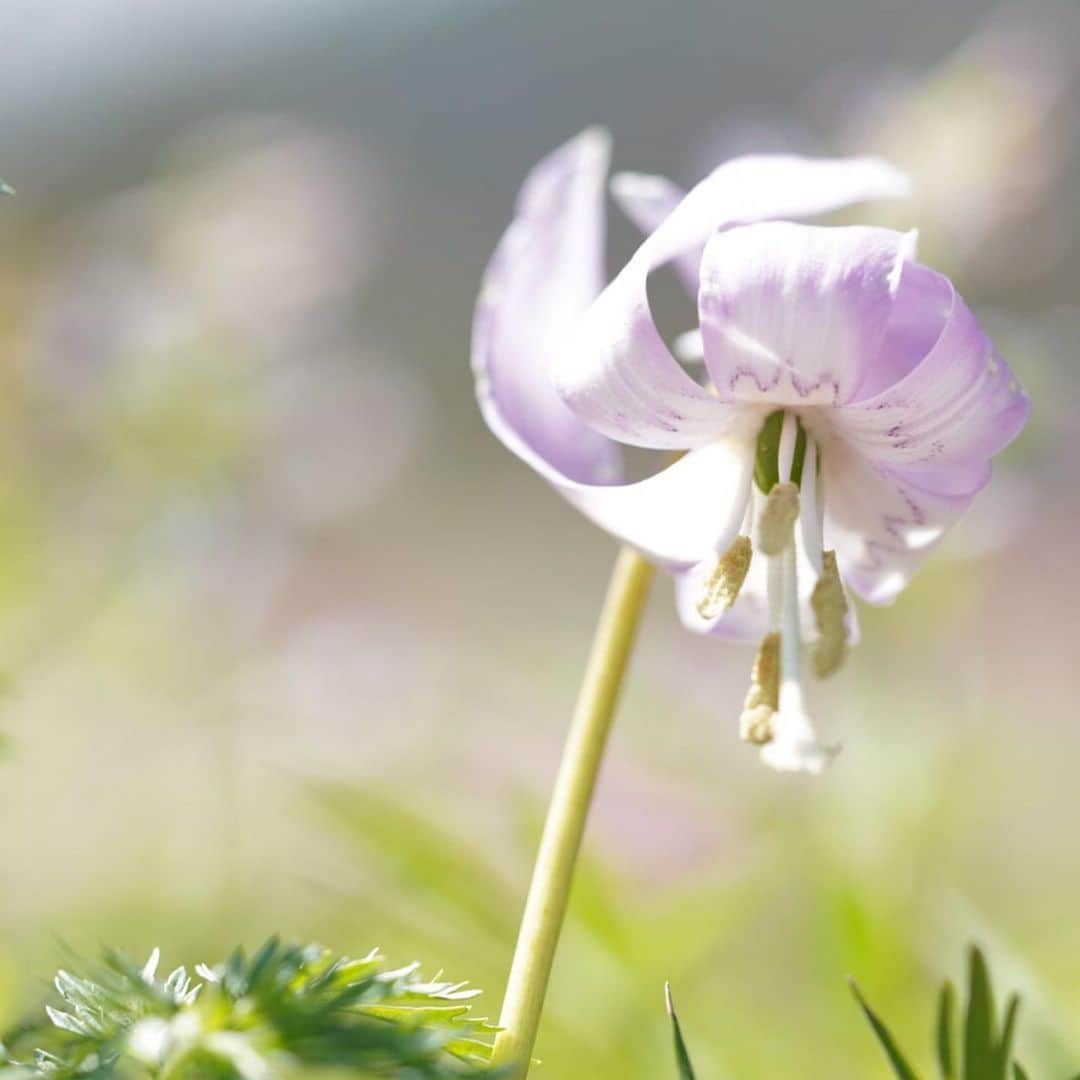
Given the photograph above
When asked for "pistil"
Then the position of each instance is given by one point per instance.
(794, 745)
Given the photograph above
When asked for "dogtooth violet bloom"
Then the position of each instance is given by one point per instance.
(845, 415)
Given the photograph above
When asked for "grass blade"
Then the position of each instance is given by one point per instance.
(1008, 1030)
(686, 1070)
(897, 1060)
(946, 1028)
(980, 1038)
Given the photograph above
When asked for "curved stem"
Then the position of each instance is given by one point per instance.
(549, 891)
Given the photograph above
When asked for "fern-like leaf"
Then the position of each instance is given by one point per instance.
(287, 1007)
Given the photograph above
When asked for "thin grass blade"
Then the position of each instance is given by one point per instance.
(899, 1063)
(682, 1056)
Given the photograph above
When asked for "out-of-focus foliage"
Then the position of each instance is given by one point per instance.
(982, 1050)
(287, 1009)
(705, 933)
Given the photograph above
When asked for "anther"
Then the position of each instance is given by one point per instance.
(830, 607)
(777, 521)
(722, 587)
(763, 697)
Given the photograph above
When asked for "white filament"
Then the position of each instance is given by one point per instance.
(785, 457)
(809, 510)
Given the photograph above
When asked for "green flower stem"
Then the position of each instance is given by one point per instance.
(545, 907)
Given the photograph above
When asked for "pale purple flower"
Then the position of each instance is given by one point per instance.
(854, 379)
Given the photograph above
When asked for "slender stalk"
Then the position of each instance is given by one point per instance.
(549, 891)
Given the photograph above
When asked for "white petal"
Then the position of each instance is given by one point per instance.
(884, 523)
(616, 372)
(795, 314)
(770, 187)
(648, 201)
(681, 515)
(957, 405)
(545, 272)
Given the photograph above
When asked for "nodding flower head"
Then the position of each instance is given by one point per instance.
(845, 415)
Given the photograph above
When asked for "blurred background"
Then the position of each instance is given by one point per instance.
(289, 642)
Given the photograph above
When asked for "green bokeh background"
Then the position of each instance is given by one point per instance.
(289, 641)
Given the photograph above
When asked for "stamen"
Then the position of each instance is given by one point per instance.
(830, 606)
(776, 524)
(790, 633)
(723, 584)
(763, 697)
(810, 516)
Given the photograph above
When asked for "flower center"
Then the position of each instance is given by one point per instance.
(767, 451)
(789, 493)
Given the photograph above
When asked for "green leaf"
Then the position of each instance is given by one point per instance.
(897, 1060)
(980, 1037)
(1019, 1073)
(1008, 1031)
(946, 1027)
(682, 1057)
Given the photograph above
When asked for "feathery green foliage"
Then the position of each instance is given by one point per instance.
(288, 1008)
(987, 1050)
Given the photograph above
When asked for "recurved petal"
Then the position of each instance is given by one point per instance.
(618, 375)
(883, 523)
(757, 187)
(647, 201)
(796, 314)
(768, 187)
(955, 408)
(920, 312)
(545, 272)
(680, 515)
